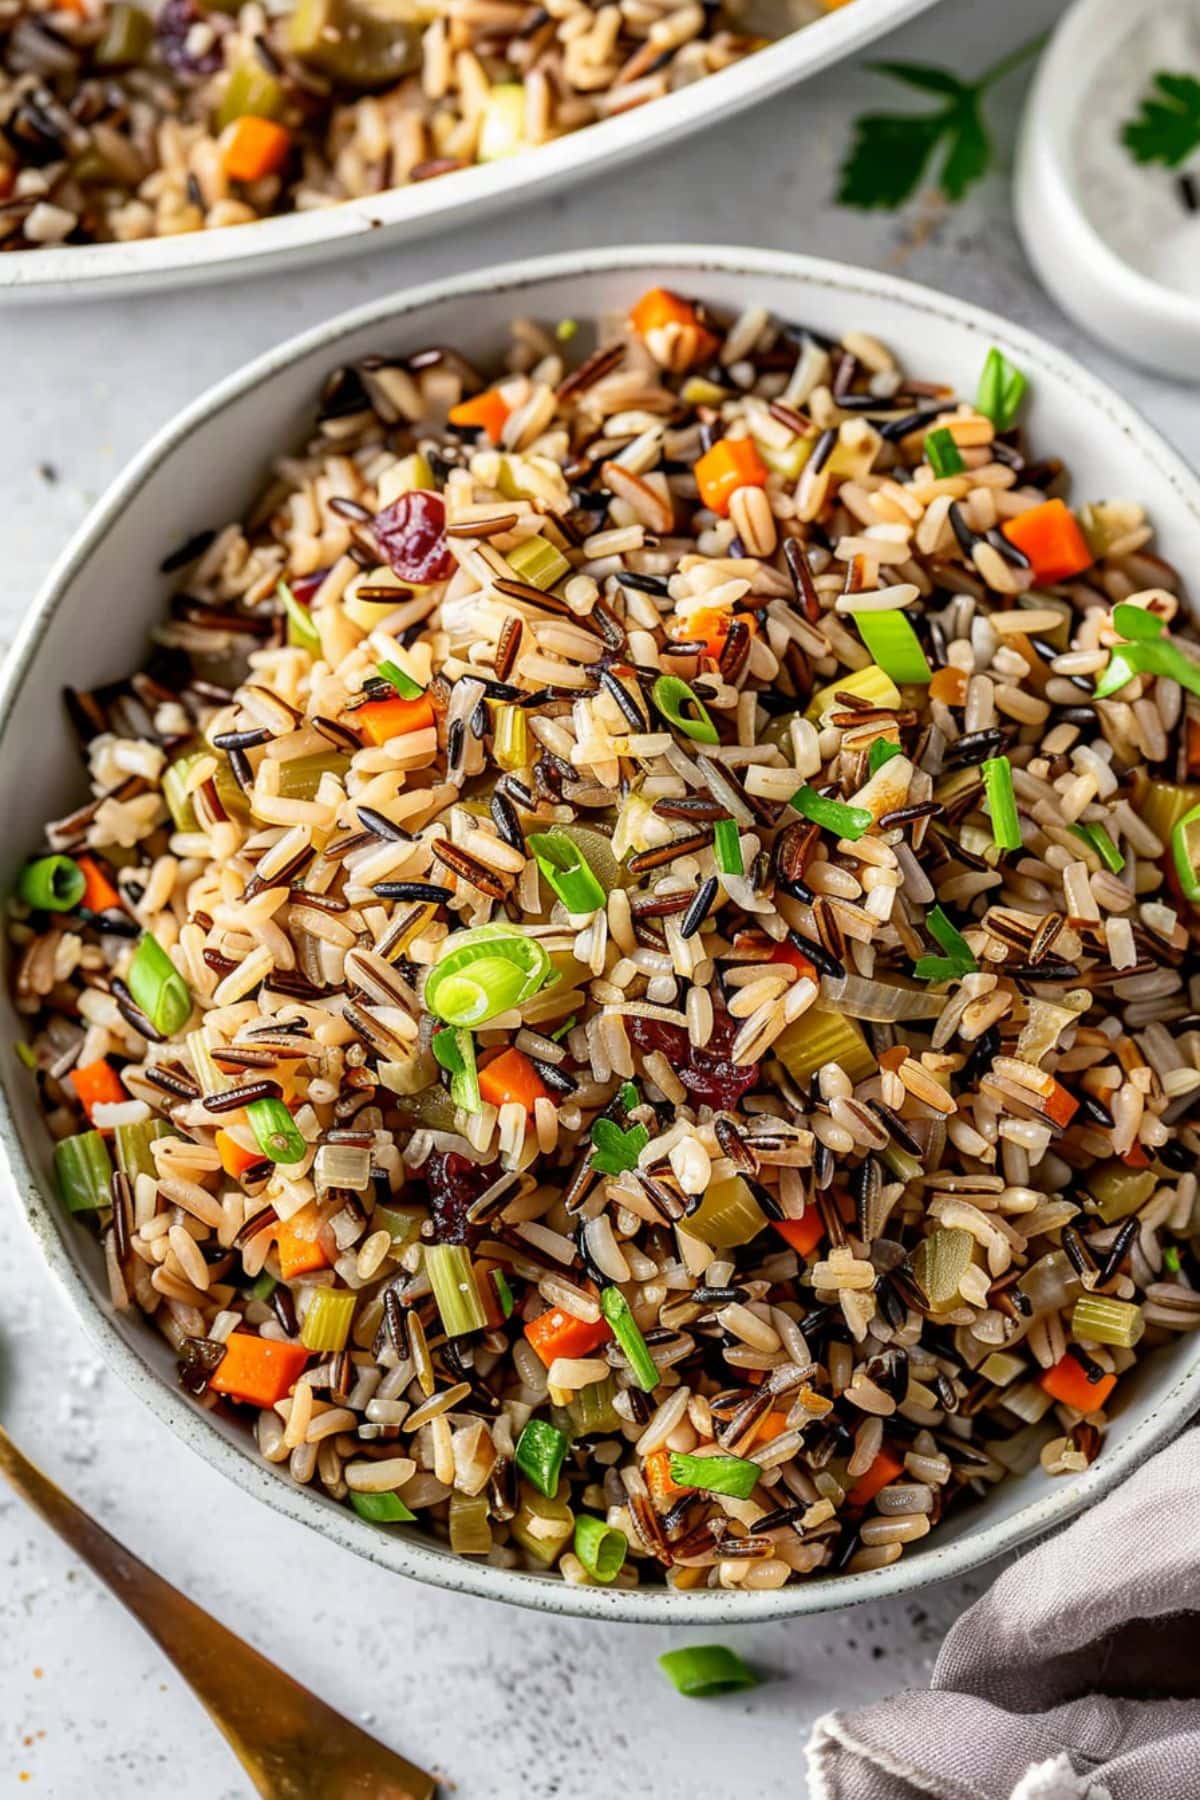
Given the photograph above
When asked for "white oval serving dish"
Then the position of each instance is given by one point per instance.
(90, 624)
(91, 271)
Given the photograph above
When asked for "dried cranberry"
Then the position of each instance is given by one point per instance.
(173, 25)
(707, 1073)
(454, 1183)
(304, 587)
(412, 536)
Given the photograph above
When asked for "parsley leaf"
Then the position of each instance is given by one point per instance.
(1166, 130)
(891, 152)
(613, 1150)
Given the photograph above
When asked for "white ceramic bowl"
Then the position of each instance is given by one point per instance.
(1136, 316)
(90, 624)
(89, 271)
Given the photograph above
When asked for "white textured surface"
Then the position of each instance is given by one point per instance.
(505, 1702)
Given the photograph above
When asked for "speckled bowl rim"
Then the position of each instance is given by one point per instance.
(1164, 1412)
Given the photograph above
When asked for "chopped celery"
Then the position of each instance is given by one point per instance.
(251, 88)
(127, 38)
(591, 1413)
(788, 461)
(84, 1172)
(539, 562)
(1161, 804)
(327, 1322)
(402, 1224)
(132, 1144)
(452, 1278)
(412, 474)
(822, 1036)
(1103, 1321)
(727, 1216)
(300, 778)
(510, 736)
(470, 1531)
(542, 1527)
(1118, 1190)
(502, 129)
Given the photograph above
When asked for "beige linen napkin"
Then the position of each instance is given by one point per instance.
(1076, 1677)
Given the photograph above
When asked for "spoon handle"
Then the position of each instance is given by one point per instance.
(292, 1745)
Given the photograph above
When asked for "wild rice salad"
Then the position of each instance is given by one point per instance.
(624, 990)
(123, 122)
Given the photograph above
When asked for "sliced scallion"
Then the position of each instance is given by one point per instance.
(1185, 854)
(454, 1049)
(733, 1475)
(894, 645)
(84, 1172)
(382, 1509)
(1171, 1259)
(541, 1449)
(52, 884)
(958, 959)
(485, 971)
(405, 686)
(327, 1322)
(600, 1548)
(158, 987)
(301, 632)
(882, 751)
(276, 1132)
(727, 847)
(832, 815)
(682, 707)
(452, 1278)
(1001, 802)
(1149, 652)
(1101, 842)
(943, 454)
(702, 1671)
(1001, 389)
(627, 1332)
(565, 869)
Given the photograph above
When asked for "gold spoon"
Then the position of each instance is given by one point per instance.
(291, 1744)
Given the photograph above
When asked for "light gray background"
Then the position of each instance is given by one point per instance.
(507, 1703)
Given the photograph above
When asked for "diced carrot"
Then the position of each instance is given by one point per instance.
(659, 308)
(486, 411)
(384, 719)
(557, 1333)
(97, 1084)
(256, 1370)
(235, 1158)
(656, 1470)
(511, 1076)
(770, 1426)
(885, 1468)
(99, 895)
(802, 1234)
(255, 147)
(298, 1255)
(949, 685)
(708, 625)
(1192, 741)
(730, 464)
(8, 180)
(1067, 1382)
(1050, 537)
(1059, 1106)
(1135, 1157)
(794, 959)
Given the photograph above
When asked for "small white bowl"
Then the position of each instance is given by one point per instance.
(1136, 316)
(90, 625)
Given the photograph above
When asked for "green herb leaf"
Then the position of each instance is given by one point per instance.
(1168, 129)
(454, 1049)
(613, 1150)
(890, 153)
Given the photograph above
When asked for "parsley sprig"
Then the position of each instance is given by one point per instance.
(1168, 128)
(890, 152)
(615, 1150)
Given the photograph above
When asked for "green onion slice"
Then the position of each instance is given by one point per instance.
(275, 1131)
(1101, 842)
(455, 1288)
(943, 454)
(454, 1049)
(882, 751)
(627, 1332)
(1171, 1259)
(541, 1448)
(958, 960)
(894, 645)
(485, 971)
(301, 631)
(832, 815)
(158, 987)
(672, 696)
(1001, 802)
(52, 884)
(727, 847)
(83, 1171)
(1149, 652)
(1001, 390)
(702, 1671)
(405, 686)
(382, 1509)
(600, 1548)
(1185, 853)
(734, 1475)
(567, 871)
